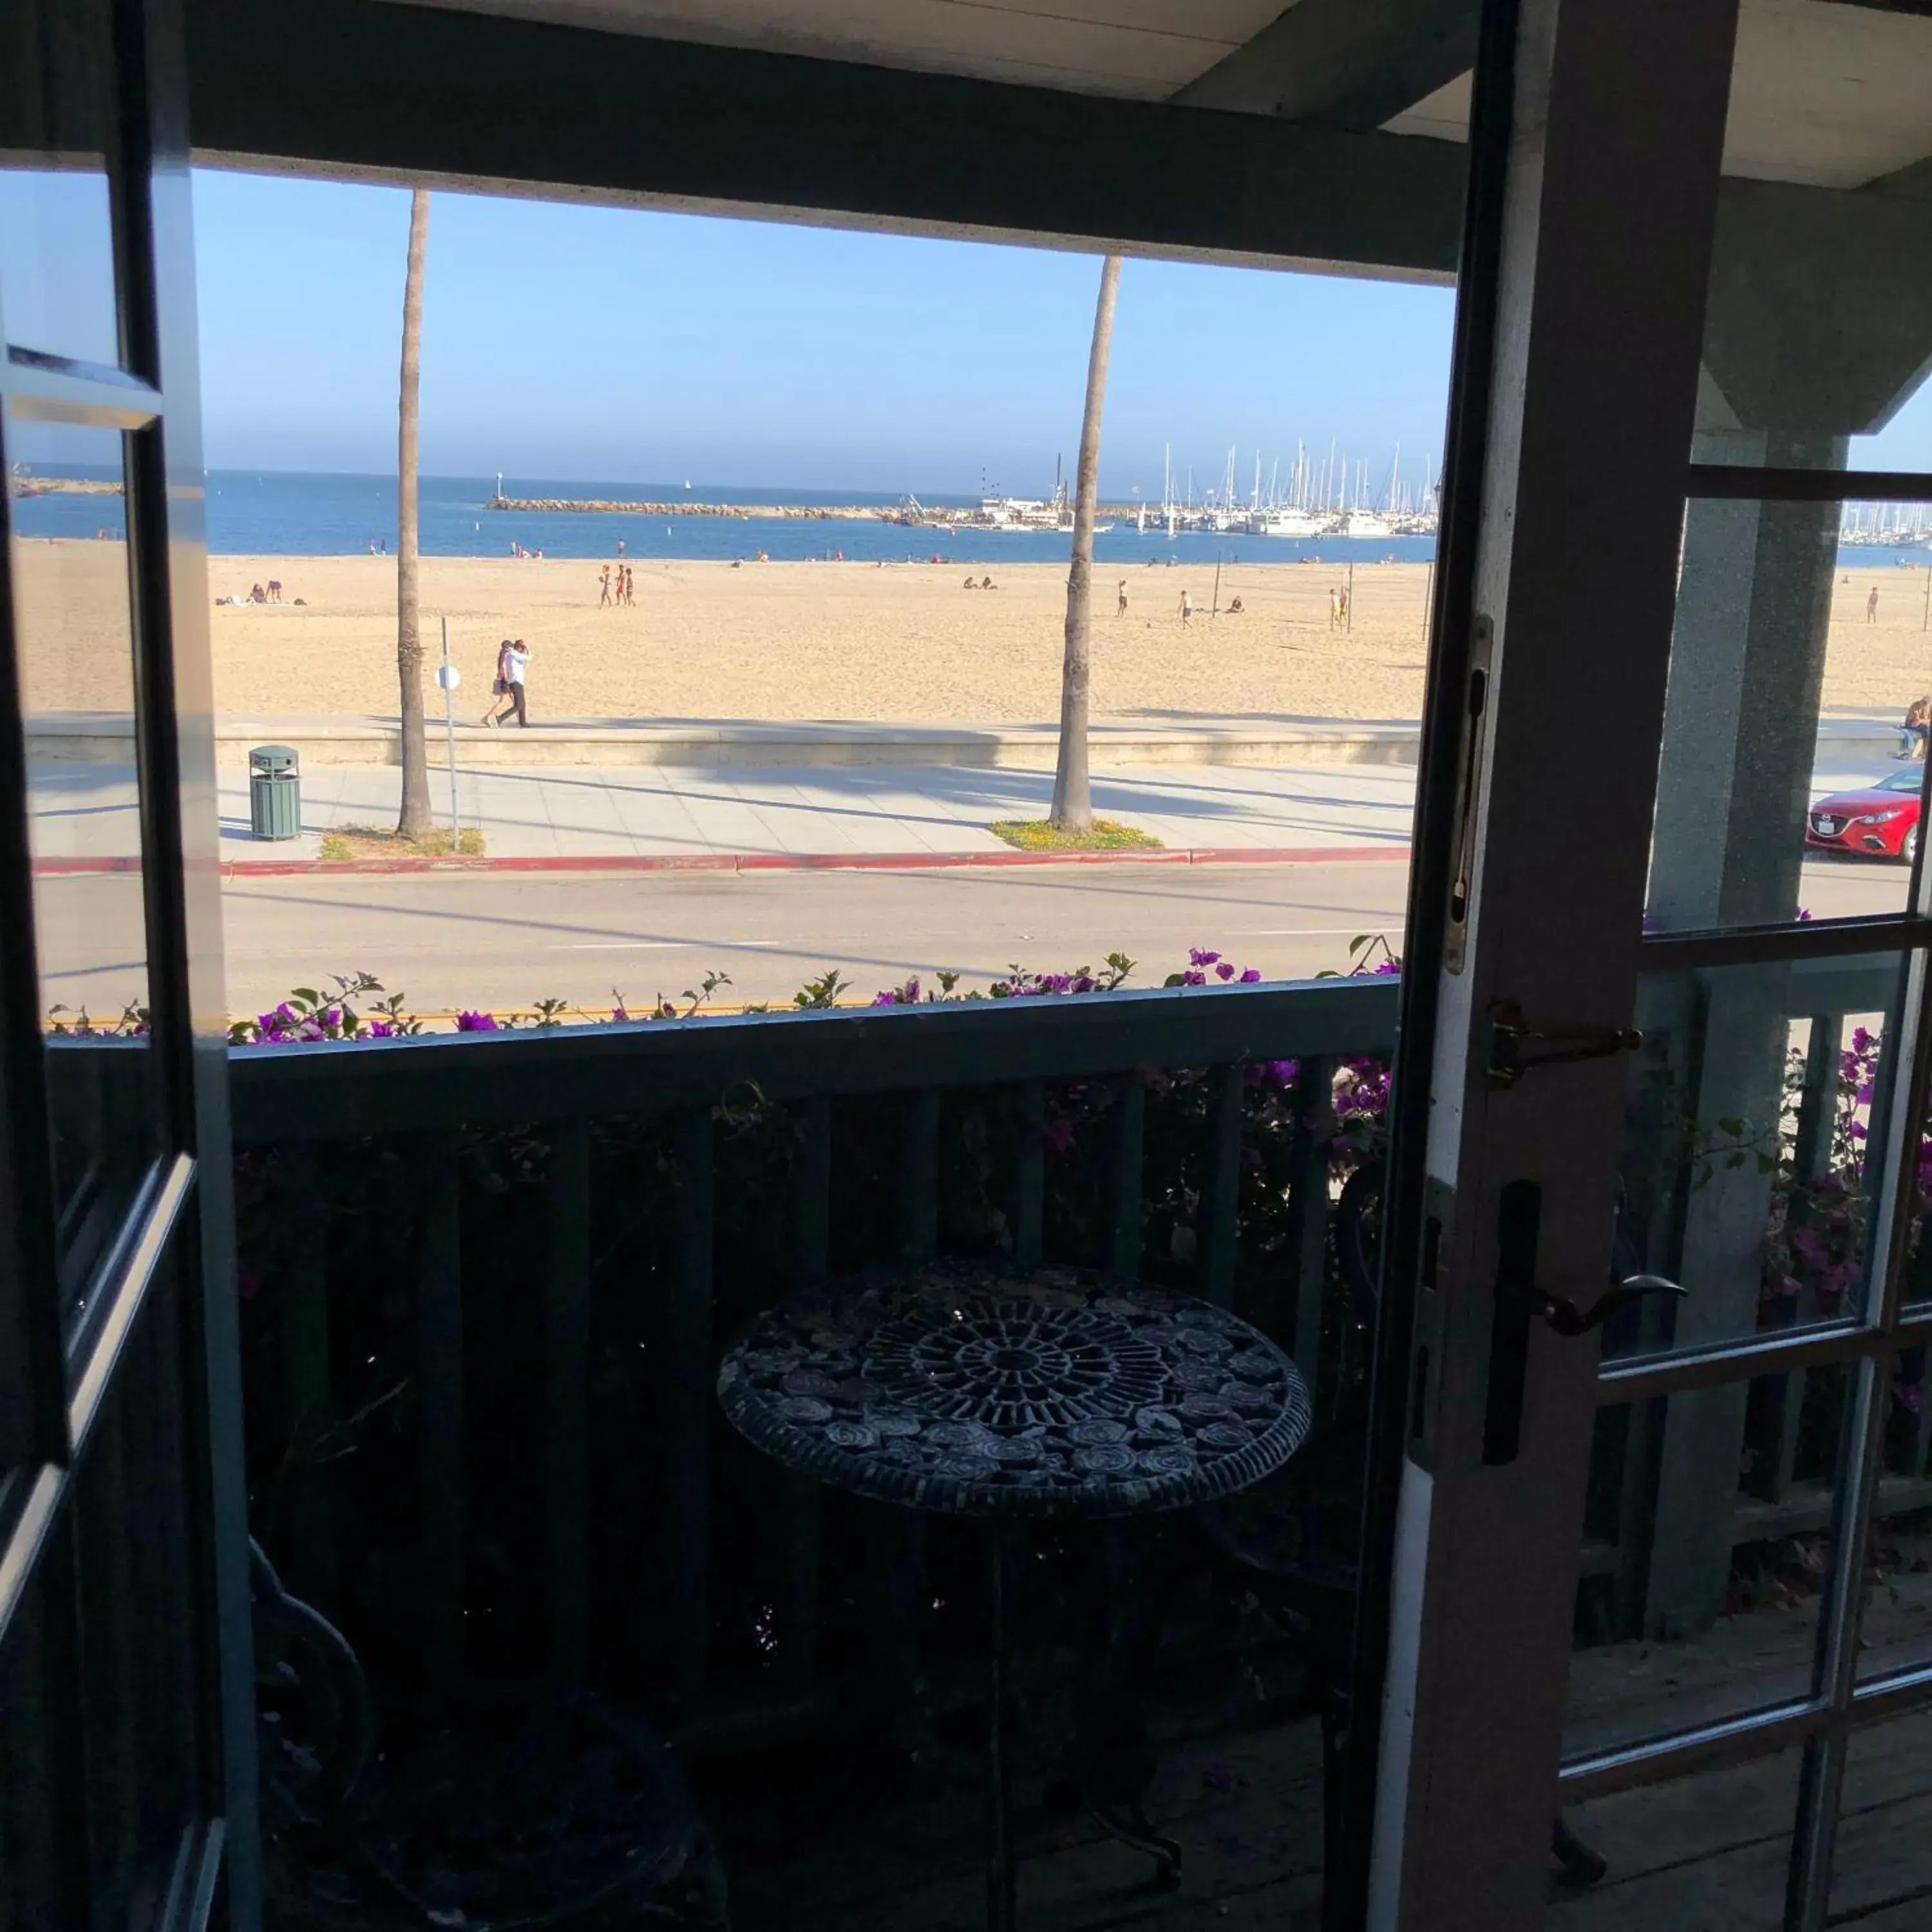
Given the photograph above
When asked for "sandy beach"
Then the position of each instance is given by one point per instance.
(833, 642)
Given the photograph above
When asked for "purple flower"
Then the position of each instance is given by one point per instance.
(476, 1023)
(1251, 975)
(1224, 971)
(1198, 955)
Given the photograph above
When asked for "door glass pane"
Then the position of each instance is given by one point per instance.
(1707, 1550)
(1747, 1168)
(1814, 337)
(1795, 727)
(73, 643)
(43, 1868)
(139, 1650)
(1896, 1633)
(1702, 1853)
(56, 218)
(1882, 1873)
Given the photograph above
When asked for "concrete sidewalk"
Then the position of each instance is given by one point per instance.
(670, 813)
(84, 819)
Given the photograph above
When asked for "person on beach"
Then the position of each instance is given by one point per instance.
(275, 590)
(620, 546)
(1334, 609)
(1912, 733)
(604, 586)
(1186, 609)
(1121, 606)
(1871, 606)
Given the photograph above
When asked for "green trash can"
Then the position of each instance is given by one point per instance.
(275, 792)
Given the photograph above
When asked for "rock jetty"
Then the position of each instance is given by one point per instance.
(793, 512)
(66, 486)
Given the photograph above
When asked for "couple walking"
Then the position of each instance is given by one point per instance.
(513, 659)
(619, 589)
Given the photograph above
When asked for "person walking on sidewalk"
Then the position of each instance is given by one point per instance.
(499, 688)
(516, 661)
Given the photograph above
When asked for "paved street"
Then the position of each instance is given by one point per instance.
(509, 939)
(496, 939)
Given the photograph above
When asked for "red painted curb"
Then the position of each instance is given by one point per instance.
(765, 862)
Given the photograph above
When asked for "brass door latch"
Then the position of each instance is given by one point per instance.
(1517, 1048)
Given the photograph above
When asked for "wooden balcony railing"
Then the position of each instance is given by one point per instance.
(421, 1094)
(319, 1110)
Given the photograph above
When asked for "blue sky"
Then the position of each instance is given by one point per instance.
(568, 341)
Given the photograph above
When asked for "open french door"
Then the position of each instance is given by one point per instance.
(126, 1739)
(1648, 1032)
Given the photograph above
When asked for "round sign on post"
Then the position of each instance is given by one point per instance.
(448, 676)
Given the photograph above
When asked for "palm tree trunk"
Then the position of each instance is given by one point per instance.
(414, 821)
(1072, 795)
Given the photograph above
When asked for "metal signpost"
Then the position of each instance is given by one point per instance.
(449, 677)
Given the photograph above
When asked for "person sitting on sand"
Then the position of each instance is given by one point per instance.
(1912, 733)
(256, 595)
(987, 583)
(970, 585)
(1234, 608)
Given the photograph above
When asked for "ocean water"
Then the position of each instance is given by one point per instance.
(282, 513)
(292, 513)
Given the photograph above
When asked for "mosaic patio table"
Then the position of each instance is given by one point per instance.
(1013, 1397)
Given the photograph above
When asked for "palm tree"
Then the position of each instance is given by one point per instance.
(1072, 796)
(414, 821)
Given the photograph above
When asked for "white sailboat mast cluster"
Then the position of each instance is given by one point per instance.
(1334, 495)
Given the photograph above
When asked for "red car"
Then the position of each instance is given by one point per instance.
(1882, 819)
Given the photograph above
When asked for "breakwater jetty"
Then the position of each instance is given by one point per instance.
(790, 512)
(805, 513)
(66, 486)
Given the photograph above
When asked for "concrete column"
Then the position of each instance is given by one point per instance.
(1816, 331)
(1740, 735)
(1746, 668)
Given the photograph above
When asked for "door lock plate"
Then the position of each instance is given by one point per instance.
(1517, 1048)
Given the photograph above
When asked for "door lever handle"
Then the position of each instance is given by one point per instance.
(1566, 1318)
(1519, 1301)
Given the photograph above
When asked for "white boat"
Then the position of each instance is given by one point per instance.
(1366, 523)
(1290, 523)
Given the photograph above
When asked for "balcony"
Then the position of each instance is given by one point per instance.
(487, 1282)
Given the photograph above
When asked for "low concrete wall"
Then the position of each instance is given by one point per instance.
(104, 739)
(377, 741)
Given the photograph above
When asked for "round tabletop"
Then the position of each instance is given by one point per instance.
(977, 1391)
